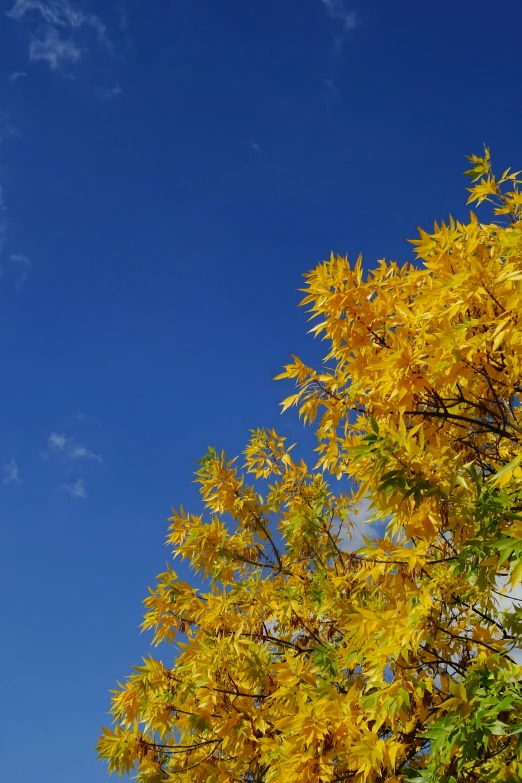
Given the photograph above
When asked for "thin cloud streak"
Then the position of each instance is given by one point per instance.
(57, 441)
(60, 443)
(80, 452)
(23, 263)
(3, 224)
(72, 452)
(58, 13)
(7, 130)
(58, 21)
(336, 9)
(124, 16)
(108, 94)
(78, 489)
(331, 93)
(54, 50)
(11, 473)
(15, 260)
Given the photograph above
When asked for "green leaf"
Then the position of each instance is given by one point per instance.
(507, 469)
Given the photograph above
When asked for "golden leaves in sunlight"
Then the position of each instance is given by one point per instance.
(296, 658)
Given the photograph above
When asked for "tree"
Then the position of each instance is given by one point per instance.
(298, 659)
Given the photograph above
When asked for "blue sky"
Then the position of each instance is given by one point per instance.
(168, 170)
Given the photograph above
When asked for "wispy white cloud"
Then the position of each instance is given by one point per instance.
(80, 452)
(77, 489)
(16, 267)
(338, 11)
(351, 535)
(7, 129)
(11, 473)
(58, 13)
(71, 452)
(331, 93)
(124, 22)
(58, 21)
(124, 15)
(23, 266)
(16, 75)
(54, 49)
(16, 261)
(59, 443)
(108, 94)
(3, 223)
(254, 145)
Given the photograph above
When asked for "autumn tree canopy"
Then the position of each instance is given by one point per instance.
(295, 658)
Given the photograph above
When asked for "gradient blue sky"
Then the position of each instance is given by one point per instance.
(167, 172)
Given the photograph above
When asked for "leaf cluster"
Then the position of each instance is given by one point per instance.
(300, 657)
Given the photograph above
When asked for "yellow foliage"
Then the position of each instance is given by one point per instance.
(299, 659)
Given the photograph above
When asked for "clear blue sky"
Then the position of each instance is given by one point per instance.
(168, 170)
